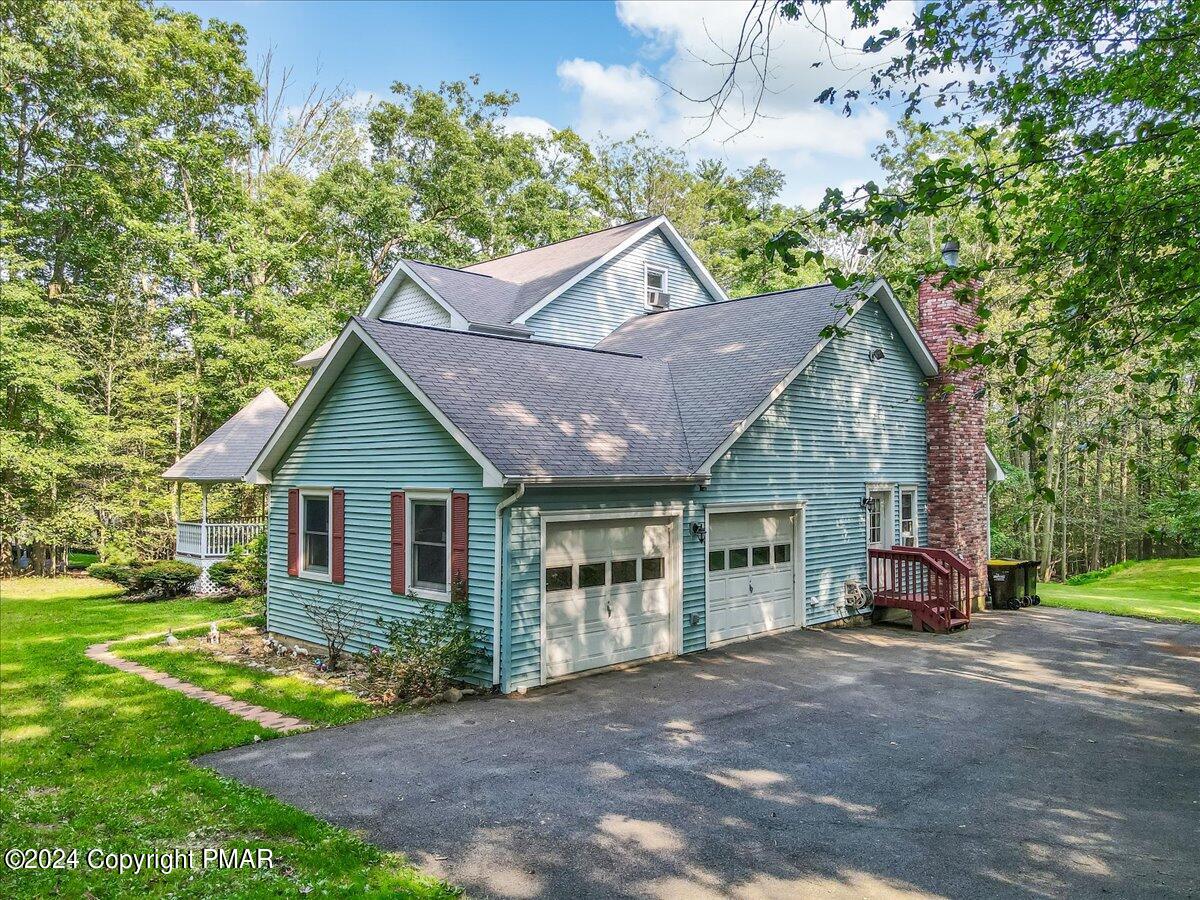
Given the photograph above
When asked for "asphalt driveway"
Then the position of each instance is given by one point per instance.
(1041, 753)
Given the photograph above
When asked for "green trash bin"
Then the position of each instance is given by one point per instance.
(1030, 568)
(1006, 583)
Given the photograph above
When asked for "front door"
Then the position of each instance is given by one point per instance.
(879, 521)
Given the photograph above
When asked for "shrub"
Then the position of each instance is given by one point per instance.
(427, 652)
(338, 623)
(169, 578)
(1089, 577)
(121, 574)
(244, 571)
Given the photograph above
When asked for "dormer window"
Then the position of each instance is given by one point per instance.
(657, 296)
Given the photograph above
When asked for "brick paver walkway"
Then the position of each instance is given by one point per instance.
(248, 711)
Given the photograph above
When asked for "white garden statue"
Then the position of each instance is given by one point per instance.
(214, 635)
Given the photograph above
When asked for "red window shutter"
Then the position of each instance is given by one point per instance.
(398, 546)
(337, 538)
(294, 532)
(459, 505)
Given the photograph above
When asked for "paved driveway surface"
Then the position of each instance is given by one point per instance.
(1041, 753)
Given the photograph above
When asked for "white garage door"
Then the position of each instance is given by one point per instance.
(608, 595)
(751, 582)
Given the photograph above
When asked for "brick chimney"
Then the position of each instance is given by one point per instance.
(956, 466)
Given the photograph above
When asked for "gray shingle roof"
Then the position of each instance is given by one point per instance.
(657, 397)
(536, 409)
(226, 454)
(538, 272)
(725, 358)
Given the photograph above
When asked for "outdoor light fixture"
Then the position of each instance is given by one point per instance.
(876, 355)
(870, 504)
(950, 252)
(699, 531)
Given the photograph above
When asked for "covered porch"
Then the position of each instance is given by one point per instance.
(209, 530)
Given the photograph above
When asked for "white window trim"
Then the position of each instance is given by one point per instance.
(304, 572)
(916, 513)
(425, 495)
(647, 268)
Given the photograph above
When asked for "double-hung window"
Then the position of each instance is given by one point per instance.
(314, 520)
(430, 552)
(908, 517)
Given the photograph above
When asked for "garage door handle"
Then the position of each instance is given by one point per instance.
(751, 583)
(608, 606)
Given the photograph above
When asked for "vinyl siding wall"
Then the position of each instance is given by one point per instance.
(411, 304)
(595, 307)
(842, 424)
(845, 422)
(370, 437)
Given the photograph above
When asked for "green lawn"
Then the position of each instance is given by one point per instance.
(94, 758)
(291, 696)
(1166, 590)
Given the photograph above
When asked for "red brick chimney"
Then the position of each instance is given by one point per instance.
(956, 464)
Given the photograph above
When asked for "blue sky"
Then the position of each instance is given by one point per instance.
(595, 66)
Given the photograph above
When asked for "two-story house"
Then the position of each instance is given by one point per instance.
(618, 461)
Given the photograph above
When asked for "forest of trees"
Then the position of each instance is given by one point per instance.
(178, 229)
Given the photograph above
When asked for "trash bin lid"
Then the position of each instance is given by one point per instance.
(1004, 562)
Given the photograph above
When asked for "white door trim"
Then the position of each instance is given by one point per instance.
(799, 558)
(672, 511)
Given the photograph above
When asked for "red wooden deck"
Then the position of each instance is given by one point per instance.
(933, 584)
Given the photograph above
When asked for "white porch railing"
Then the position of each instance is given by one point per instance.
(213, 540)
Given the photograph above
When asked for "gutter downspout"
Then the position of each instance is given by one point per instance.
(498, 568)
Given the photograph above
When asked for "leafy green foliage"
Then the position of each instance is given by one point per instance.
(244, 571)
(169, 578)
(1089, 577)
(428, 651)
(116, 572)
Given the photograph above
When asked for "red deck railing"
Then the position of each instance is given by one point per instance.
(933, 583)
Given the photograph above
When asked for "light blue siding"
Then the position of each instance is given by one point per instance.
(594, 308)
(844, 423)
(371, 437)
(411, 304)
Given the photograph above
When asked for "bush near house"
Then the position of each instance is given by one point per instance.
(244, 571)
(120, 573)
(169, 578)
(428, 652)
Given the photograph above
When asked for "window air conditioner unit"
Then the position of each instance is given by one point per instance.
(658, 299)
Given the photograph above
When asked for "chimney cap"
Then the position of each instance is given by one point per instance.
(950, 252)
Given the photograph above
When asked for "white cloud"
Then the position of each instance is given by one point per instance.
(531, 125)
(613, 100)
(814, 145)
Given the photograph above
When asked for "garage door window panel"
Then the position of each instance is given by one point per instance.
(762, 556)
(624, 571)
(592, 575)
(739, 558)
(652, 568)
(559, 578)
(783, 553)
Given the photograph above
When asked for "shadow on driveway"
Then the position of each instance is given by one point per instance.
(1041, 753)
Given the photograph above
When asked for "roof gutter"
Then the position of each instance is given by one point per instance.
(584, 480)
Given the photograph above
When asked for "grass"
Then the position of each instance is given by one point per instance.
(94, 758)
(283, 693)
(1165, 590)
(82, 560)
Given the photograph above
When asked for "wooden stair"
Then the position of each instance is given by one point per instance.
(934, 585)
